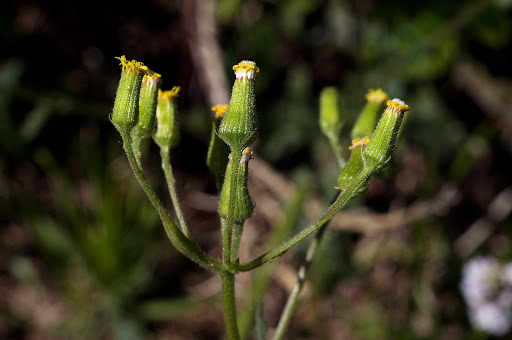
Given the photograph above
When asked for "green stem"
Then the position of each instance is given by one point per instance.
(228, 279)
(228, 300)
(169, 178)
(187, 247)
(337, 149)
(340, 202)
(293, 298)
(136, 147)
(228, 230)
(226, 238)
(235, 242)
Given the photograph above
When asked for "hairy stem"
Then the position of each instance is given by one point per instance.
(336, 148)
(339, 203)
(228, 301)
(237, 238)
(187, 247)
(228, 230)
(293, 298)
(169, 178)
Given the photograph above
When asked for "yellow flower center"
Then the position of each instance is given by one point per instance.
(169, 94)
(359, 142)
(133, 65)
(246, 69)
(397, 106)
(220, 110)
(376, 95)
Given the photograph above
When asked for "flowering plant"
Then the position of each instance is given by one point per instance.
(142, 110)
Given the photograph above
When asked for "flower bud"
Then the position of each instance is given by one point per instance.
(378, 151)
(243, 203)
(354, 166)
(365, 123)
(167, 133)
(330, 117)
(125, 113)
(239, 127)
(147, 105)
(218, 151)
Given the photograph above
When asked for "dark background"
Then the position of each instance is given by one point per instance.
(82, 252)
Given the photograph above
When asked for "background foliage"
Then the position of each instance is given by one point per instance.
(82, 252)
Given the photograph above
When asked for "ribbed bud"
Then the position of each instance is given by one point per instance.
(218, 151)
(378, 152)
(147, 105)
(354, 166)
(239, 128)
(125, 113)
(167, 132)
(243, 203)
(365, 123)
(330, 118)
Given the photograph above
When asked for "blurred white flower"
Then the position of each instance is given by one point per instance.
(480, 279)
(490, 318)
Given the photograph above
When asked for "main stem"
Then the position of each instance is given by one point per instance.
(228, 279)
(228, 300)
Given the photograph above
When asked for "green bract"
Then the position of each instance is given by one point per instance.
(239, 128)
(330, 117)
(365, 123)
(126, 106)
(381, 145)
(218, 151)
(354, 166)
(243, 204)
(167, 132)
(147, 106)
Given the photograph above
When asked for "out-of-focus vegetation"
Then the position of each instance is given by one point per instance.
(82, 252)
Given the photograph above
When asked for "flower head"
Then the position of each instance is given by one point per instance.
(376, 96)
(220, 111)
(379, 150)
(239, 127)
(246, 69)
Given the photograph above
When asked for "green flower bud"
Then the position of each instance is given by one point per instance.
(368, 117)
(354, 166)
(243, 204)
(330, 117)
(147, 105)
(239, 127)
(218, 151)
(167, 132)
(147, 113)
(125, 113)
(378, 152)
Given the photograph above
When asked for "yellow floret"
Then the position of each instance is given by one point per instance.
(220, 110)
(133, 65)
(153, 76)
(247, 154)
(246, 65)
(358, 142)
(396, 105)
(376, 95)
(169, 94)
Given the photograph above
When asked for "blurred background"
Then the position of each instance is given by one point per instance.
(82, 252)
